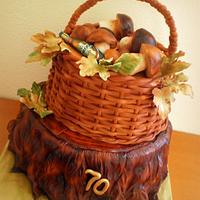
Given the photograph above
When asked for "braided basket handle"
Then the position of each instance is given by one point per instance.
(154, 3)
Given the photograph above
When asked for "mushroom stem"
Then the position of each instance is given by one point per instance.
(102, 46)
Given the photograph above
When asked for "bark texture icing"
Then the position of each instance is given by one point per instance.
(55, 160)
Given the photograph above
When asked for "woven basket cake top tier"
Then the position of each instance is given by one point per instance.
(119, 110)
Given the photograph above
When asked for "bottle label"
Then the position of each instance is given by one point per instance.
(86, 49)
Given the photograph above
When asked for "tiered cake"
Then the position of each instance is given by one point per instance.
(107, 97)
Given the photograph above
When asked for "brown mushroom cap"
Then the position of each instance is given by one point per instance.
(142, 36)
(125, 24)
(81, 32)
(102, 35)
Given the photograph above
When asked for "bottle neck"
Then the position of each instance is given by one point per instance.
(65, 37)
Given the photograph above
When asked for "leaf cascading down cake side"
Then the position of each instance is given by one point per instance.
(98, 127)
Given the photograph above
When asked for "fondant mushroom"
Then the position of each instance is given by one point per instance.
(112, 53)
(142, 36)
(122, 26)
(81, 32)
(125, 44)
(103, 39)
(153, 59)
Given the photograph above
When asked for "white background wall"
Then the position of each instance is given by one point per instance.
(23, 18)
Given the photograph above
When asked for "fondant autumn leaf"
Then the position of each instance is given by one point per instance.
(89, 67)
(163, 99)
(34, 99)
(48, 41)
(131, 63)
(172, 64)
(171, 84)
(48, 46)
(186, 89)
(36, 55)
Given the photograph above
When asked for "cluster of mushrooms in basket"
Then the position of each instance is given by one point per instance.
(117, 46)
(113, 46)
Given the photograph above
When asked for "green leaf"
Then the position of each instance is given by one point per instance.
(34, 99)
(46, 61)
(23, 92)
(131, 63)
(41, 100)
(103, 72)
(36, 89)
(105, 61)
(116, 66)
(34, 56)
(45, 113)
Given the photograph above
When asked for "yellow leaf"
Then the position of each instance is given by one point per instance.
(162, 99)
(186, 89)
(171, 84)
(49, 50)
(37, 56)
(103, 73)
(171, 64)
(64, 47)
(51, 40)
(49, 45)
(49, 34)
(89, 67)
(181, 77)
(38, 38)
(26, 101)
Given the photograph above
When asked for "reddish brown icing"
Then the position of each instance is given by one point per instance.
(55, 160)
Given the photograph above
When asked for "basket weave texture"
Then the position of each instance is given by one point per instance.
(117, 111)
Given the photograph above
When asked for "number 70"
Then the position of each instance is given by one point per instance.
(97, 178)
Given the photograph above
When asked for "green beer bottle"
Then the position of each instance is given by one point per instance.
(83, 47)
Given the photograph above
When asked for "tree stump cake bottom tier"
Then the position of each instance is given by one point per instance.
(65, 165)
